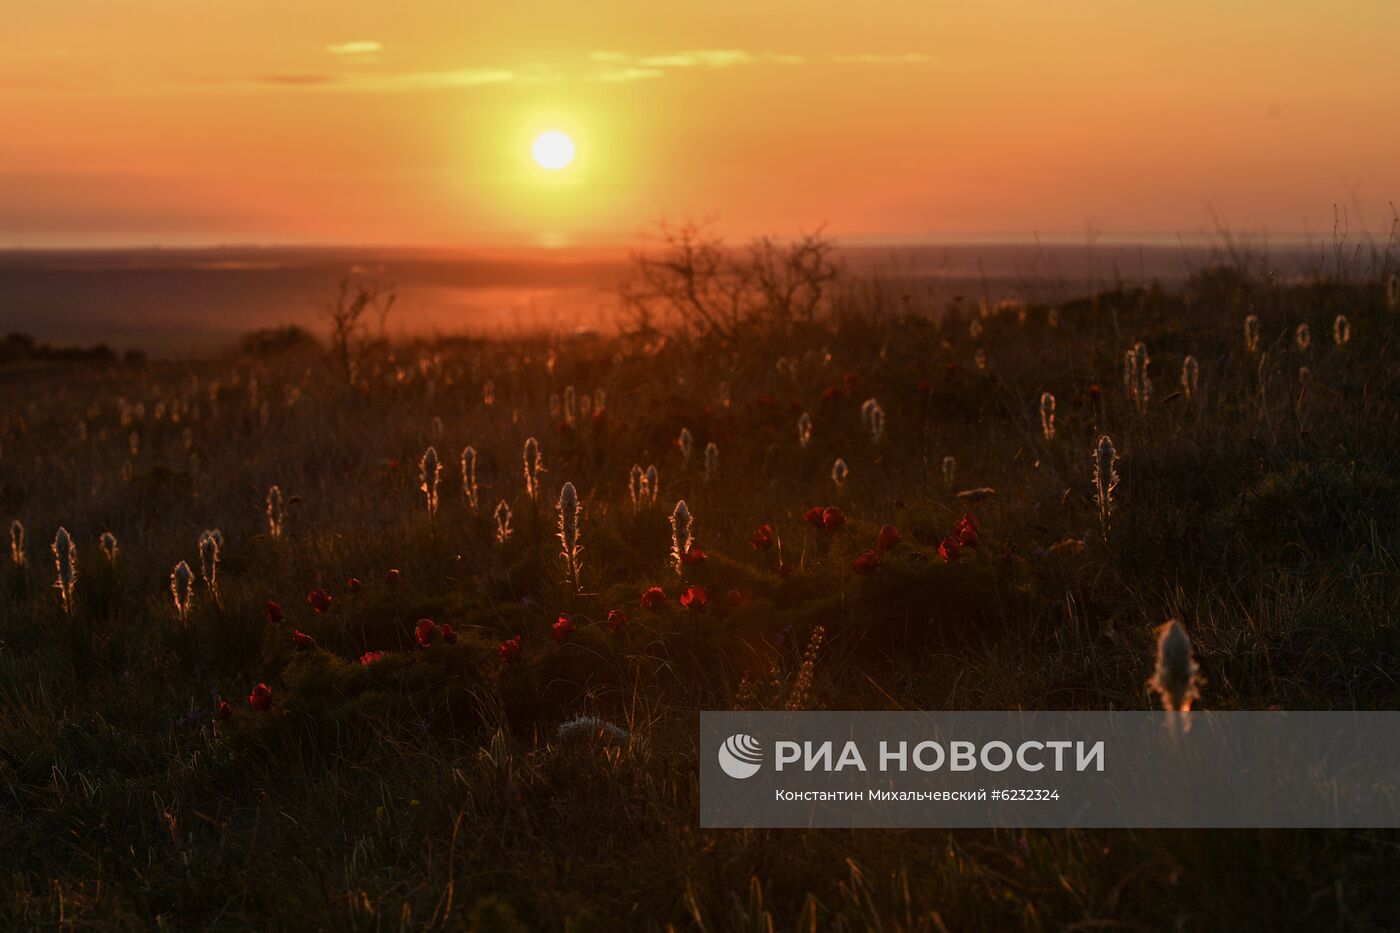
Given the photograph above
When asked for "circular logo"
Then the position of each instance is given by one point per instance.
(741, 756)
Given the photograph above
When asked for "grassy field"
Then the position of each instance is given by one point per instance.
(450, 787)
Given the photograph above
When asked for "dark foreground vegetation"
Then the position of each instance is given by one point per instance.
(456, 785)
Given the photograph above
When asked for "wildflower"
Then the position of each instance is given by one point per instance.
(65, 560)
(1094, 390)
(275, 514)
(392, 576)
(108, 545)
(815, 516)
(950, 470)
(1303, 337)
(429, 472)
(637, 486)
(1341, 331)
(319, 601)
(302, 641)
(182, 588)
(889, 538)
(696, 556)
(1105, 479)
(447, 633)
(685, 442)
(866, 562)
(562, 629)
(967, 530)
(1190, 377)
(762, 538)
(1253, 333)
(354, 585)
(733, 599)
(681, 537)
(273, 612)
(533, 466)
(569, 512)
(260, 698)
(209, 543)
(839, 472)
(695, 598)
(949, 549)
(469, 484)
(502, 517)
(1047, 415)
(804, 430)
(1177, 677)
(224, 711)
(872, 416)
(616, 620)
(369, 657)
(17, 542)
(833, 519)
(980, 361)
(653, 599)
(1139, 383)
(653, 483)
(424, 632)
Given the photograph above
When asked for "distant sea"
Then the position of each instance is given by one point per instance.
(199, 302)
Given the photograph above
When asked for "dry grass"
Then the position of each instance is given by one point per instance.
(432, 789)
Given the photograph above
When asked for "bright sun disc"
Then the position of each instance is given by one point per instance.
(553, 150)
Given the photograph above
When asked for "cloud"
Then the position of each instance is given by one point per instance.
(355, 47)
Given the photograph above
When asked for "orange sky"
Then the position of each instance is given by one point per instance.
(213, 121)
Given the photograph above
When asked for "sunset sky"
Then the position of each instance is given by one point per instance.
(213, 121)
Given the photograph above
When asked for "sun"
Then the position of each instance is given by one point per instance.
(553, 150)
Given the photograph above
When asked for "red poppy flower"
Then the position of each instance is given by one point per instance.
(302, 641)
(260, 698)
(967, 530)
(695, 556)
(866, 563)
(510, 649)
(924, 386)
(563, 629)
(954, 367)
(734, 599)
(319, 600)
(616, 619)
(225, 710)
(600, 415)
(831, 394)
(447, 633)
(424, 632)
(695, 598)
(354, 585)
(814, 517)
(273, 612)
(653, 599)
(1095, 390)
(369, 657)
(392, 577)
(949, 549)
(763, 538)
(889, 538)
(833, 518)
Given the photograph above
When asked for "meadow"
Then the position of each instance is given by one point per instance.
(272, 738)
